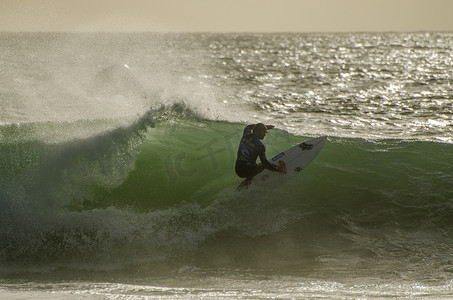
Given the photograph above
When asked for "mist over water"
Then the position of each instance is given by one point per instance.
(117, 155)
(364, 85)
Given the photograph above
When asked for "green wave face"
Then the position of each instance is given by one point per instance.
(164, 187)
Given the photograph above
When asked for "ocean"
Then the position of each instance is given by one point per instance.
(117, 155)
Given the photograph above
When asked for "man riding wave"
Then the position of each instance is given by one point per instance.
(250, 148)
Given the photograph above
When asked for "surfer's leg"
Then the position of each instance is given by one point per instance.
(255, 170)
(243, 185)
(248, 172)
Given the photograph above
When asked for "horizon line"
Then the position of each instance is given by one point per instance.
(231, 32)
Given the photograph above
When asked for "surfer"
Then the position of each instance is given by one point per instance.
(250, 148)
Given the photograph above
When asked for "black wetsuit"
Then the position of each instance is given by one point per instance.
(250, 148)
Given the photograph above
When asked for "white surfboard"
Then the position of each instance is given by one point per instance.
(291, 161)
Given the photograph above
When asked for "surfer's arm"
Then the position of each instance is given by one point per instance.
(248, 128)
(267, 165)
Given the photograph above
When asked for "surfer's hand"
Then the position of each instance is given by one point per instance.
(270, 127)
(282, 167)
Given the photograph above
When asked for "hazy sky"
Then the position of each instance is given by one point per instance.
(226, 15)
